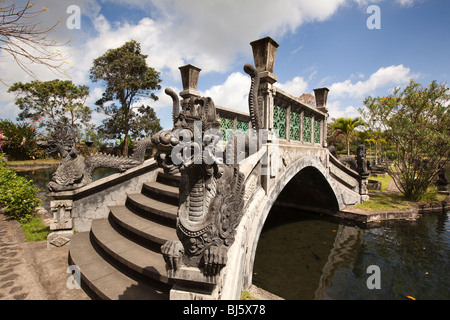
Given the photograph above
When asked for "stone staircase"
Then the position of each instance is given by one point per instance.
(120, 257)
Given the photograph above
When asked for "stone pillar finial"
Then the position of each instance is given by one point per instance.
(189, 79)
(264, 54)
(321, 95)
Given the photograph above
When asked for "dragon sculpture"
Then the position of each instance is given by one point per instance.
(357, 163)
(211, 188)
(75, 171)
(211, 192)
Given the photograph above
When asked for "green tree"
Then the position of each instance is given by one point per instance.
(127, 78)
(376, 137)
(416, 120)
(346, 127)
(142, 123)
(53, 103)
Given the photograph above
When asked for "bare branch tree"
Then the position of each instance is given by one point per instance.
(26, 40)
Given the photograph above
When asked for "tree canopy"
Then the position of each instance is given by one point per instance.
(346, 127)
(127, 78)
(52, 103)
(416, 120)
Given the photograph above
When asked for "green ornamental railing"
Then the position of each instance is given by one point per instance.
(295, 126)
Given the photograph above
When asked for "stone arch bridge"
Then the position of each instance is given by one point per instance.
(185, 224)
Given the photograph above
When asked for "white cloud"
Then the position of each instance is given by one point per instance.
(365, 3)
(232, 94)
(405, 3)
(210, 34)
(295, 87)
(382, 78)
(337, 110)
(9, 111)
(345, 95)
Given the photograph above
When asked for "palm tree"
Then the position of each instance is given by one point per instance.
(347, 126)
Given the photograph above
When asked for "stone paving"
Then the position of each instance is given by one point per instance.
(30, 270)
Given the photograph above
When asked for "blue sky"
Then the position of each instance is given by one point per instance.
(322, 43)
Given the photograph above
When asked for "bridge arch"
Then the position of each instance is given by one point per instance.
(249, 231)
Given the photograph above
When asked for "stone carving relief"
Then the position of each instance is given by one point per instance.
(61, 214)
(255, 103)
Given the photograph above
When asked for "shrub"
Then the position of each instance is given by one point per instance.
(18, 197)
(392, 155)
(21, 139)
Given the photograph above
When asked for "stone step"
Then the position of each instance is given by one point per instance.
(152, 209)
(129, 253)
(106, 280)
(144, 229)
(169, 179)
(161, 192)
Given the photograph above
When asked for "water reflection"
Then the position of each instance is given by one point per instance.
(302, 256)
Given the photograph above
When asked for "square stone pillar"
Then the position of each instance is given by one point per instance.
(264, 54)
(321, 95)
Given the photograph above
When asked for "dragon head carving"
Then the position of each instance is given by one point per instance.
(61, 141)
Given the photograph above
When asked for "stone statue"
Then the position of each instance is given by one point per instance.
(211, 191)
(75, 171)
(361, 163)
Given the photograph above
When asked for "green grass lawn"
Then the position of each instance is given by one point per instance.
(384, 181)
(397, 201)
(35, 229)
(383, 202)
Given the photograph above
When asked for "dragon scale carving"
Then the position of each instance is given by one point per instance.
(253, 104)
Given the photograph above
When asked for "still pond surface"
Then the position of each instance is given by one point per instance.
(43, 176)
(308, 256)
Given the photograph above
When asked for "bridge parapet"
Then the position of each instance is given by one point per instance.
(232, 121)
(294, 120)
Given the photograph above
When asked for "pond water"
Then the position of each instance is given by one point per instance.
(307, 256)
(42, 176)
(303, 255)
